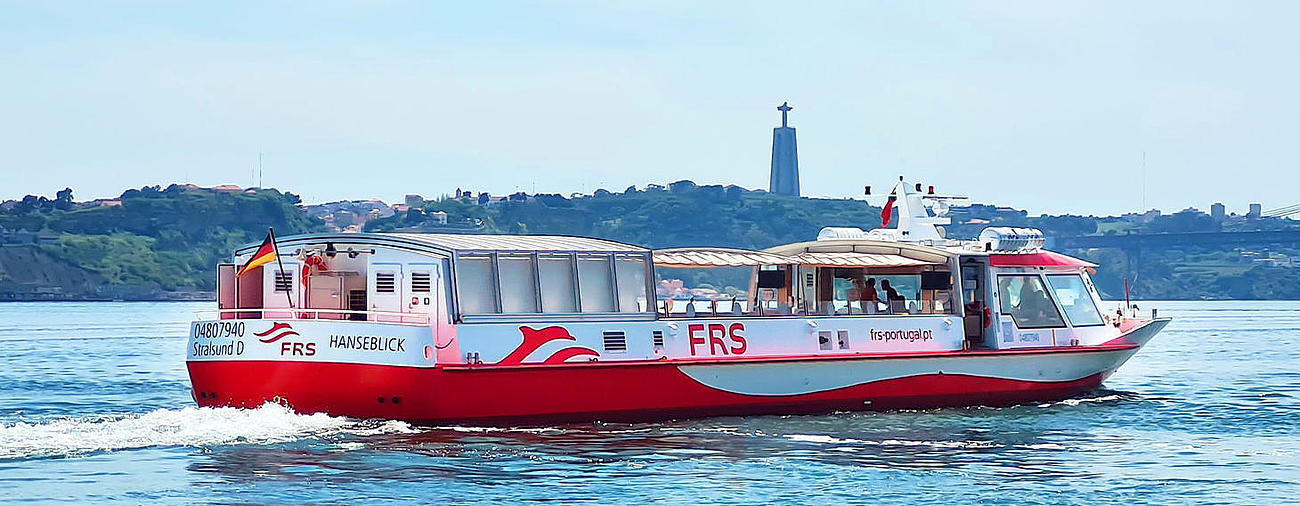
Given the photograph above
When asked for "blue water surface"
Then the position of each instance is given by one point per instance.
(95, 407)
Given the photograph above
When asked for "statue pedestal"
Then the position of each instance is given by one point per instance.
(785, 162)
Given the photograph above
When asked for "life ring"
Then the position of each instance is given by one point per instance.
(309, 262)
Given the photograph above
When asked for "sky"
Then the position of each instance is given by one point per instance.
(1050, 106)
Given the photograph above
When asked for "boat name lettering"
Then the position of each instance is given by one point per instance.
(912, 335)
(229, 349)
(369, 343)
(718, 339)
(218, 330)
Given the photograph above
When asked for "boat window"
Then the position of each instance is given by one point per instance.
(631, 283)
(908, 287)
(517, 283)
(846, 293)
(248, 291)
(475, 288)
(1023, 298)
(518, 286)
(596, 290)
(1075, 299)
(556, 273)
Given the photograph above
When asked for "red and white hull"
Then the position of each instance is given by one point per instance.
(535, 328)
(661, 389)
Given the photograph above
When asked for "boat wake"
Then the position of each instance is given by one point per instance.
(193, 426)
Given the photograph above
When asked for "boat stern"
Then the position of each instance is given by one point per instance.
(332, 366)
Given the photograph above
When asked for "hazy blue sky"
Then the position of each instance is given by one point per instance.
(1047, 106)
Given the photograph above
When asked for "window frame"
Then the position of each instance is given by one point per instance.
(1087, 292)
(456, 280)
(532, 277)
(1047, 290)
(573, 258)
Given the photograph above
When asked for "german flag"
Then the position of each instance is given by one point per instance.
(265, 254)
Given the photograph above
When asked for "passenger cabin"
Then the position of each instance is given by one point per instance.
(998, 299)
(448, 278)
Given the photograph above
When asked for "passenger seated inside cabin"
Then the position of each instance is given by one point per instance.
(890, 293)
(896, 302)
(863, 298)
(1034, 302)
(868, 291)
(1023, 298)
(902, 290)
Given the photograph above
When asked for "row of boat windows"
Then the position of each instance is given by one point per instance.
(614, 283)
(554, 283)
(523, 284)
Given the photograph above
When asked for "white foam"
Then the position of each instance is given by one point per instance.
(815, 438)
(384, 427)
(1076, 402)
(193, 426)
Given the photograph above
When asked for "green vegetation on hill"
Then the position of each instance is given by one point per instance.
(154, 239)
(682, 214)
(685, 214)
(167, 239)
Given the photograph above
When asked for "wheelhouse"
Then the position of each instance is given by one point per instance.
(1004, 299)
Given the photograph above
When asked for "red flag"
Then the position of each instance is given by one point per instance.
(887, 213)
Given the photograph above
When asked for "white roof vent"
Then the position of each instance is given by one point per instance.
(829, 233)
(1011, 239)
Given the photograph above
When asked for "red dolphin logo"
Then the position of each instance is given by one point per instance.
(534, 339)
(284, 329)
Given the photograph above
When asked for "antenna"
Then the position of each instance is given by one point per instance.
(1144, 181)
(259, 169)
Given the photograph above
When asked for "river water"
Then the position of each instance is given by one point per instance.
(95, 407)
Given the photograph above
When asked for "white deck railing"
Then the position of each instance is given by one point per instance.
(284, 313)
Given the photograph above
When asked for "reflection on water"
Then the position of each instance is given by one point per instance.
(1208, 413)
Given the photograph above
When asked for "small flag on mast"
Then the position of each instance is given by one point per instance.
(265, 254)
(887, 213)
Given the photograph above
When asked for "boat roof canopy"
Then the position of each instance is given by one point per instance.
(467, 243)
(854, 259)
(448, 244)
(1039, 259)
(862, 253)
(716, 257)
(825, 253)
(848, 253)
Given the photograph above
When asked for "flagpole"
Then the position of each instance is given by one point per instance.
(276, 279)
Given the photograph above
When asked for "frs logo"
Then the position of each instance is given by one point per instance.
(716, 337)
(534, 339)
(281, 331)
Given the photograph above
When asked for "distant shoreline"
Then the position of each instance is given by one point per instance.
(103, 300)
(179, 297)
(182, 299)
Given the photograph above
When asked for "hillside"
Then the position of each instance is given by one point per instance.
(149, 243)
(155, 243)
(684, 214)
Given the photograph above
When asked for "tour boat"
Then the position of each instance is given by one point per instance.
(525, 329)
